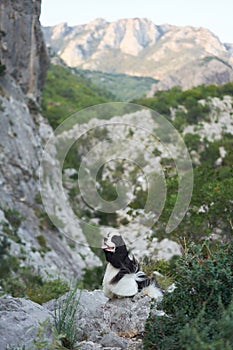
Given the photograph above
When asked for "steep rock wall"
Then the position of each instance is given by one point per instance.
(22, 47)
(23, 133)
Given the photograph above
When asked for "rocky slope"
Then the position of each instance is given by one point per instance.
(128, 150)
(23, 133)
(100, 323)
(185, 56)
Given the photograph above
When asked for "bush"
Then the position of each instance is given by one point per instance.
(47, 290)
(66, 92)
(2, 69)
(163, 101)
(195, 336)
(7, 262)
(65, 323)
(23, 281)
(199, 311)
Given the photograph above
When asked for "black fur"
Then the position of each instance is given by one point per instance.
(127, 266)
(120, 260)
(118, 257)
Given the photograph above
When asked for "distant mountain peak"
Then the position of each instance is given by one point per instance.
(138, 47)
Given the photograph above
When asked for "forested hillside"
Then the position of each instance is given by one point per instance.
(66, 92)
(124, 87)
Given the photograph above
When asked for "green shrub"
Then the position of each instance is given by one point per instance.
(92, 278)
(42, 241)
(194, 112)
(47, 290)
(196, 335)
(192, 141)
(24, 281)
(201, 304)
(41, 342)
(14, 218)
(7, 262)
(66, 92)
(65, 323)
(164, 267)
(2, 69)
(45, 221)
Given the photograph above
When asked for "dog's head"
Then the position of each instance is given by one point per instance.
(115, 249)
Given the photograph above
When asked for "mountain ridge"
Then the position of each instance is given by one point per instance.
(138, 47)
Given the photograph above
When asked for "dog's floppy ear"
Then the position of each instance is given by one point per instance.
(118, 240)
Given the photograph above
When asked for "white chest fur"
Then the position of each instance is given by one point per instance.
(108, 276)
(127, 286)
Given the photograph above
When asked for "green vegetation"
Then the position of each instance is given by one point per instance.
(211, 58)
(124, 87)
(65, 329)
(28, 283)
(42, 241)
(164, 267)
(11, 227)
(66, 93)
(14, 218)
(2, 69)
(46, 290)
(41, 342)
(199, 313)
(65, 323)
(193, 110)
(211, 205)
(45, 221)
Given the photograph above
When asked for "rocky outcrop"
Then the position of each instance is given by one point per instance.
(220, 120)
(19, 322)
(103, 323)
(22, 47)
(207, 70)
(23, 133)
(21, 143)
(185, 56)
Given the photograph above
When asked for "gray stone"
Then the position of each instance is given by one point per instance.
(19, 321)
(111, 323)
(104, 324)
(112, 340)
(89, 345)
(23, 132)
(22, 48)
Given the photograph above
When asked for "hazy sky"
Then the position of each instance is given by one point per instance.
(216, 15)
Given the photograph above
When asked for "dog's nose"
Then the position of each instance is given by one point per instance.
(105, 239)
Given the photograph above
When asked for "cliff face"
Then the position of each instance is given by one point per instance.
(23, 133)
(22, 47)
(141, 48)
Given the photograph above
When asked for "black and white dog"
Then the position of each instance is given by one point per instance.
(123, 277)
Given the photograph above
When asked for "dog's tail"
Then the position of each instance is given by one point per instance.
(144, 284)
(148, 286)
